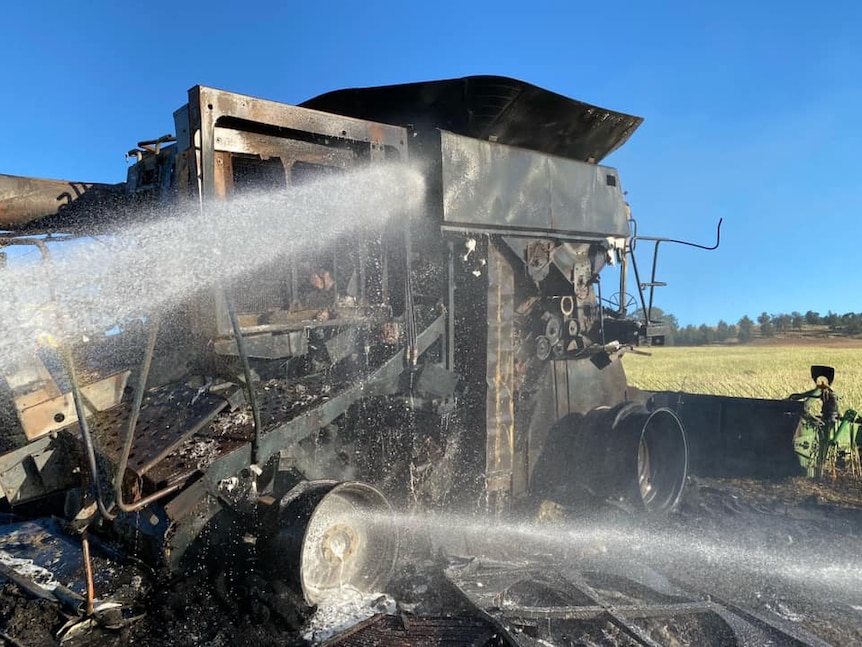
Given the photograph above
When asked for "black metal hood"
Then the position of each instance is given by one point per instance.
(490, 107)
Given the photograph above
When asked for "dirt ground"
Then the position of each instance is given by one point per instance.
(814, 526)
(809, 338)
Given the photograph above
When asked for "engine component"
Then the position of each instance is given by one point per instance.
(543, 348)
(553, 328)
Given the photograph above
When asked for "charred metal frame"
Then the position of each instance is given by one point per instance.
(77, 396)
(140, 388)
(220, 123)
(81, 407)
(210, 109)
(81, 412)
(485, 585)
(381, 382)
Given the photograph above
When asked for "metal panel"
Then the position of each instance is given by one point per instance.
(239, 141)
(581, 385)
(209, 107)
(561, 388)
(223, 174)
(24, 200)
(492, 187)
(181, 125)
(737, 437)
(38, 469)
(40, 418)
(484, 107)
(289, 344)
(594, 384)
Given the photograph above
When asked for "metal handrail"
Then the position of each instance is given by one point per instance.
(647, 311)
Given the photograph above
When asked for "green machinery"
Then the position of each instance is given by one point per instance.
(826, 441)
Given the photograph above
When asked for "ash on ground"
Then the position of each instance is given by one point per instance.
(779, 552)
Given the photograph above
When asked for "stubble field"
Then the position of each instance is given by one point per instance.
(771, 371)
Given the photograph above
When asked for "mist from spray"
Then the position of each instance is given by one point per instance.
(169, 255)
(762, 555)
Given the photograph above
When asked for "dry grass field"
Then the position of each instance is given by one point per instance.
(772, 370)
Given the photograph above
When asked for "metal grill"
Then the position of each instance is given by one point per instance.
(539, 603)
(168, 417)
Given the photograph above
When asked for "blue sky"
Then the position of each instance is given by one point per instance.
(751, 108)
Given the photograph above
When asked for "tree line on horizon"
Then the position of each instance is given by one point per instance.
(766, 325)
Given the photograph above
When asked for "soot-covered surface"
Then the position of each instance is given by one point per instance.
(780, 556)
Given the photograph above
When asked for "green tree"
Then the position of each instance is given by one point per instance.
(812, 318)
(782, 322)
(797, 319)
(688, 336)
(765, 321)
(671, 338)
(854, 326)
(722, 331)
(746, 329)
(705, 334)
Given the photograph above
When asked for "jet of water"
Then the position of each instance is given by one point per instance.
(739, 554)
(177, 252)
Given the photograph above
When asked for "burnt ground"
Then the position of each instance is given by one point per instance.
(786, 551)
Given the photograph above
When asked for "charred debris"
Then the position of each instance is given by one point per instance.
(463, 356)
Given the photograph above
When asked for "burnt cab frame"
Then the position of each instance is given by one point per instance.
(226, 132)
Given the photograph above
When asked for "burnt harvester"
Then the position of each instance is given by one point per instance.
(465, 355)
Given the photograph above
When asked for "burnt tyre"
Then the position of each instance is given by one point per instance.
(331, 536)
(625, 454)
(662, 461)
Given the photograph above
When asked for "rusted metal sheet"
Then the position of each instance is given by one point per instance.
(210, 108)
(24, 200)
(265, 146)
(499, 407)
(223, 174)
(41, 412)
